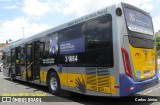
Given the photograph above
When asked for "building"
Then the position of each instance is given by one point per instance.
(158, 33)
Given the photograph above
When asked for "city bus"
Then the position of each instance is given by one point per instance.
(110, 52)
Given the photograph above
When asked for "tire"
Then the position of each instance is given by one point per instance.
(53, 83)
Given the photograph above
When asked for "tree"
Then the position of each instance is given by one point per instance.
(10, 40)
(158, 45)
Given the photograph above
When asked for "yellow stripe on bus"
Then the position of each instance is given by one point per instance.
(100, 84)
(73, 80)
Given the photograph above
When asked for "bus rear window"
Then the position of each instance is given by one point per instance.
(138, 21)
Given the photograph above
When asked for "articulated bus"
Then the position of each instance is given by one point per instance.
(110, 52)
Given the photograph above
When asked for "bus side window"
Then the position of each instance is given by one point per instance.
(99, 42)
(42, 50)
(22, 56)
(47, 43)
(72, 45)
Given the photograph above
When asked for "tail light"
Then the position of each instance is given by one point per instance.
(156, 62)
(126, 62)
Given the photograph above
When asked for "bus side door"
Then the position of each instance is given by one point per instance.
(18, 60)
(29, 62)
(37, 56)
(12, 68)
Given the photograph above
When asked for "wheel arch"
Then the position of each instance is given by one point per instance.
(48, 73)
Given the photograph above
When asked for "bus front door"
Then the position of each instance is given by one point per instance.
(29, 62)
(12, 67)
(38, 53)
(18, 62)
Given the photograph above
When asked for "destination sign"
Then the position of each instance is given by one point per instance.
(90, 16)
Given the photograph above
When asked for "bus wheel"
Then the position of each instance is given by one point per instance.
(53, 83)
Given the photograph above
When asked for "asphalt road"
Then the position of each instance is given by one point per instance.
(69, 98)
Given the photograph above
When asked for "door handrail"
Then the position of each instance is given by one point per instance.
(29, 65)
(12, 66)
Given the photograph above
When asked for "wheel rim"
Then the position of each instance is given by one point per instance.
(53, 83)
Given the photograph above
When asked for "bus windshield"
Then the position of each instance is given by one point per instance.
(138, 22)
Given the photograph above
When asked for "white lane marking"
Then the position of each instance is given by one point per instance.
(151, 91)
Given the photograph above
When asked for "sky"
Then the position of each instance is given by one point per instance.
(24, 18)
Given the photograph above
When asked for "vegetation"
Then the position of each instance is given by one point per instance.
(158, 66)
(158, 45)
(2, 44)
(158, 48)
